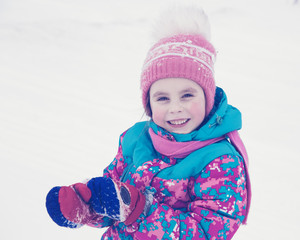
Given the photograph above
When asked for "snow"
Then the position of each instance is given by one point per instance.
(69, 85)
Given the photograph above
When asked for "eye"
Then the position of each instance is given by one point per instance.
(160, 99)
(187, 95)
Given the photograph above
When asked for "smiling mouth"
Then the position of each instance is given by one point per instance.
(178, 122)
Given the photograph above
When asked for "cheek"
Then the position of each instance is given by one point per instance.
(197, 109)
(158, 114)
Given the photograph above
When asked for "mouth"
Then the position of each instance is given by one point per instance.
(178, 122)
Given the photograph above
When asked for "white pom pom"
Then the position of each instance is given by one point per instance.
(181, 19)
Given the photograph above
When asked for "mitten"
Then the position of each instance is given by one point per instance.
(116, 200)
(68, 205)
(80, 204)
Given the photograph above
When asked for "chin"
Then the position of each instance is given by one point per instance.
(181, 131)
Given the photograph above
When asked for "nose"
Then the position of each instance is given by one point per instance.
(175, 107)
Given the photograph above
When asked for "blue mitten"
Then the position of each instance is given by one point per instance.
(80, 203)
(116, 200)
(68, 205)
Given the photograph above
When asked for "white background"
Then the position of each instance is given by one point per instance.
(69, 86)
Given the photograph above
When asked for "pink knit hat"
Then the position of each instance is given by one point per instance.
(185, 54)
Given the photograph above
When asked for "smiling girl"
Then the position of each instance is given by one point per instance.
(181, 175)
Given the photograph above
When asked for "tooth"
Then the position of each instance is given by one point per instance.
(179, 122)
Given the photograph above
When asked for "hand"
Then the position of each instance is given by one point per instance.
(68, 205)
(79, 204)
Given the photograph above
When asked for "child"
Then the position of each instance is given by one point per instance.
(182, 174)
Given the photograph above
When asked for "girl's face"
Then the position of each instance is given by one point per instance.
(177, 104)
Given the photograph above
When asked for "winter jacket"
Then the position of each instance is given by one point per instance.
(200, 196)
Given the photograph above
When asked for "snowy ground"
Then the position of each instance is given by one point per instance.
(69, 85)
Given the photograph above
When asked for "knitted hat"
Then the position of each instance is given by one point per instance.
(184, 53)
